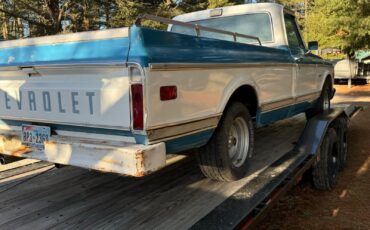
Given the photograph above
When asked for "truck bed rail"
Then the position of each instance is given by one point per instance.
(196, 27)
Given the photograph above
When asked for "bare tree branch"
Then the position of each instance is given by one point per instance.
(25, 18)
(63, 10)
(39, 12)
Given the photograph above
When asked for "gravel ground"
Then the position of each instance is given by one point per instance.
(347, 206)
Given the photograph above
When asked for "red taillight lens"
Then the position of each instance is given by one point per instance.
(137, 106)
(168, 93)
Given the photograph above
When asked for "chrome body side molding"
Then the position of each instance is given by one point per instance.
(169, 132)
(198, 66)
(290, 101)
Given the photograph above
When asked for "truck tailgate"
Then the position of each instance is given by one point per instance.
(78, 79)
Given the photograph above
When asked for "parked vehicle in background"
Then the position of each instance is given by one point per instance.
(364, 69)
(363, 58)
(120, 100)
(345, 69)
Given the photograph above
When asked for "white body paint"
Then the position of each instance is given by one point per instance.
(85, 96)
(205, 93)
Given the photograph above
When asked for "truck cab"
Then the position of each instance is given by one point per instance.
(276, 27)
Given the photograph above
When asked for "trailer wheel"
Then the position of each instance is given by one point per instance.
(225, 157)
(322, 104)
(342, 133)
(326, 166)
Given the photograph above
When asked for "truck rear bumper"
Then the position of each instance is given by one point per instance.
(108, 156)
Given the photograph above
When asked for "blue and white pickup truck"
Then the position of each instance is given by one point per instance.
(119, 100)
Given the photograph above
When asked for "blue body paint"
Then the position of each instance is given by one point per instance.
(82, 52)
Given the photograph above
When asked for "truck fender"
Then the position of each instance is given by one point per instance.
(327, 74)
(232, 87)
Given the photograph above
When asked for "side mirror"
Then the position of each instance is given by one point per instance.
(313, 45)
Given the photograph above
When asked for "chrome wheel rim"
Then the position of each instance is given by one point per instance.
(238, 142)
(345, 146)
(334, 166)
(326, 102)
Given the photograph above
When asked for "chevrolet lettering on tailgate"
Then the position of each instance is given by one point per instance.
(48, 102)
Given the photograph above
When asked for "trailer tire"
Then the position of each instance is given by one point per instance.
(326, 166)
(225, 157)
(342, 133)
(59, 166)
(322, 103)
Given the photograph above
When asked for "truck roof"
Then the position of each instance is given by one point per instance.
(233, 10)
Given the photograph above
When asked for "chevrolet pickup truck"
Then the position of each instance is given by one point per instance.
(120, 100)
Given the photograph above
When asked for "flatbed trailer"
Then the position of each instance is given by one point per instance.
(178, 197)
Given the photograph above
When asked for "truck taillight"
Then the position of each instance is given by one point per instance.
(137, 106)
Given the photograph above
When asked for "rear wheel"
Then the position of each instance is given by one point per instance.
(326, 166)
(225, 157)
(323, 103)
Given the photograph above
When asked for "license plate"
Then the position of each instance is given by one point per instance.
(34, 136)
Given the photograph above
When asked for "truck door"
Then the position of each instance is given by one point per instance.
(305, 82)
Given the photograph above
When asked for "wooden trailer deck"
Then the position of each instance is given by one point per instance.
(40, 196)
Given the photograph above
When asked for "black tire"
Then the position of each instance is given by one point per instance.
(326, 166)
(342, 133)
(59, 166)
(323, 103)
(214, 159)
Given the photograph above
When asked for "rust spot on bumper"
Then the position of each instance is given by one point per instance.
(49, 142)
(140, 165)
(22, 150)
(12, 145)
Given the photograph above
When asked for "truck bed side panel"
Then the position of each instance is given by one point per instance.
(206, 72)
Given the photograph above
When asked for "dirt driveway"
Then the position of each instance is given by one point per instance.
(348, 206)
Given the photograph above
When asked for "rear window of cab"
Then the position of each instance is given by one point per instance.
(258, 24)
